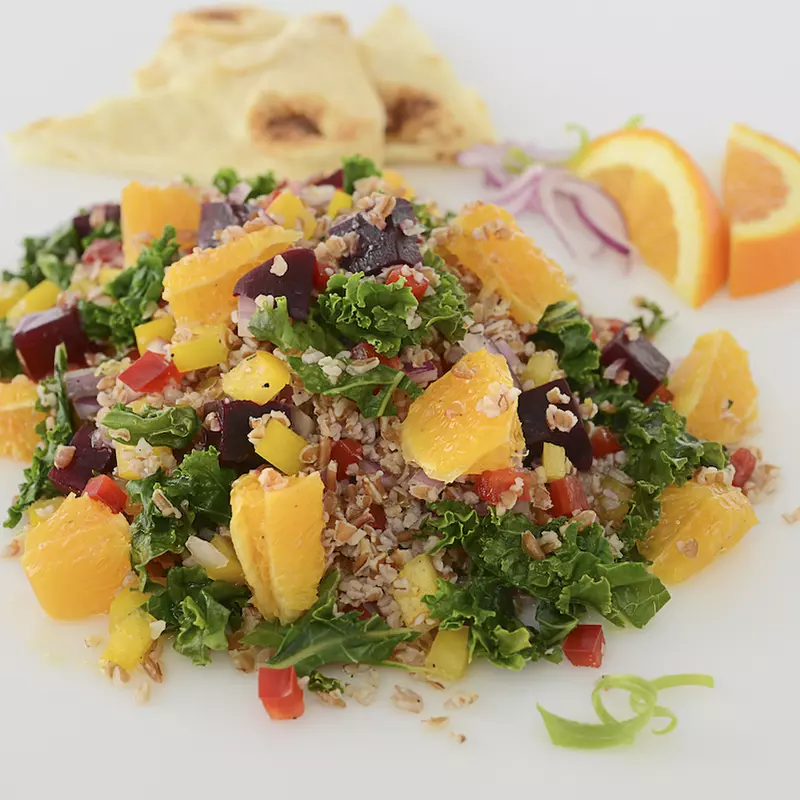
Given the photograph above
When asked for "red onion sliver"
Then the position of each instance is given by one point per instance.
(247, 307)
(423, 375)
(239, 192)
(369, 467)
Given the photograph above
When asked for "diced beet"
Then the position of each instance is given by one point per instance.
(335, 179)
(533, 416)
(643, 361)
(218, 216)
(92, 457)
(82, 222)
(38, 334)
(235, 449)
(294, 284)
(378, 248)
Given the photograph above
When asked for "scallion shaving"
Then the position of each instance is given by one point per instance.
(611, 732)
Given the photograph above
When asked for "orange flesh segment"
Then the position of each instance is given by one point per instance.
(18, 419)
(762, 197)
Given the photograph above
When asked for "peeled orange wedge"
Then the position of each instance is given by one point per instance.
(674, 220)
(18, 419)
(762, 197)
(714, 389)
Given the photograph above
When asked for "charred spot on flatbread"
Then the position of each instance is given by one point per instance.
(273, 121)
(408, 113)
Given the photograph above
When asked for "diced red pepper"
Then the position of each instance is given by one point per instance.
(345, 452)
(280, 692)
(150, 373)
(662, 393)
(744, 462)
(604, 443)
(584, 646)
(322, 273)
(102, 488)
(104, 251)
(490, 485)
(417, 283)
(378, 516)
(364, 350)
(568, 496)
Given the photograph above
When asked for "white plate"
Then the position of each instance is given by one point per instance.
(691, 68)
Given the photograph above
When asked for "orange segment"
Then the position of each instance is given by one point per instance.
(486, 240)
(77, 558)
(674, 220)
(714, 390)
(762, 196)
(277, 534)
(199, 287)
(18, 419)
(465, 422)
(698, 523)
(146, 210)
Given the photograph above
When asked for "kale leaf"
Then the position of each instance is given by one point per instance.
(173, 427)
(51, 257)
(276, 326)
(657, 318)
(354, 169)
(226, 179)
(137, 290)
(366, 311)
(321, 637)
(36, 483)
(110, 229)
(199, 611)
(9, 361)
(319, 683)
(445, 309)
(564, 329)
(371, 391)
(199, 490)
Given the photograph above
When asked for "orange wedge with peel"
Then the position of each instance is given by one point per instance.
(761, 187)
(674, 220)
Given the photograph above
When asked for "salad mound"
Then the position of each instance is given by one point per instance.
(347, 428)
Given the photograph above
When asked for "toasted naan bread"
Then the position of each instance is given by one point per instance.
(297, 104)
(431, 115)
(200, 36)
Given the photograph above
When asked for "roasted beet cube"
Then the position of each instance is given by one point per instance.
(379, 248)
(335, 179)
(643, 361)
(93, 456)
(235, 449)
(38, 334)
(289, 275)
(218, 216)
(540, 425)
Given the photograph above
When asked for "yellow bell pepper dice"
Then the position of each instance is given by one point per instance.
(207, 347)
(341, 201)
(288, 210)
(258, 378)
(418, 578)
(554, 461)
(449, 654)
(161, 328)
(129, 462)
(11, 292)
(39, 511)
(540, 368)
(129, 628)
(398, 182)
(43, 296)
(107, 274)
(230, 572)
(281, 447)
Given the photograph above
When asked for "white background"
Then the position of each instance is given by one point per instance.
(691, 68)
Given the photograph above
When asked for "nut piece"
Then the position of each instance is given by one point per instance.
(407, 700)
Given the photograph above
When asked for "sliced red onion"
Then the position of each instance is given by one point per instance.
(612, 370)
(302, 423)
(369, 467)
(81, 382)
(601, 214)
(504, 348)
(246, 308)
(86, 407)
(240, 192)
(423, 375)
(419, 477)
